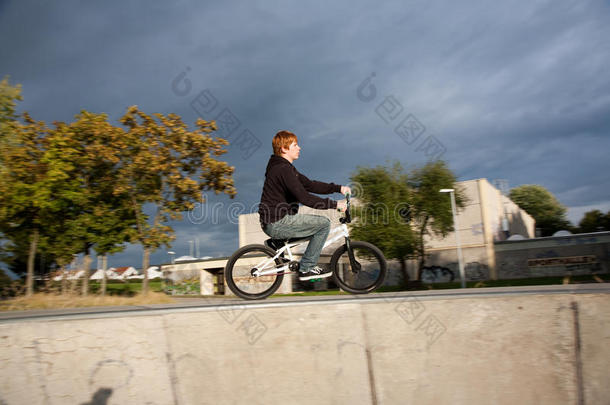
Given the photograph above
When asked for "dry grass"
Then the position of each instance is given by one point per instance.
(50, 301)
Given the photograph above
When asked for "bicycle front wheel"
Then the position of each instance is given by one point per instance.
(365, 274)
(238, 273)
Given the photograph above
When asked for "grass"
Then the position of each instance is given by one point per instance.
(117, 294)
(48, 301)
(126, 288)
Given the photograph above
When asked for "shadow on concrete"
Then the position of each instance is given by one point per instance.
(100, 397)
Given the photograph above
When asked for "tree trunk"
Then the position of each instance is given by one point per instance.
(403, 269)
(104, 264)
(422, 249)
(29, 281)
(86, 266)
(145, 264)
(64, 280)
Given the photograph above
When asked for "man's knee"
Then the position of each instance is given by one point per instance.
(323, 222)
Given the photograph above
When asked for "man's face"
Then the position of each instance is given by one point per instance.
(292, 153)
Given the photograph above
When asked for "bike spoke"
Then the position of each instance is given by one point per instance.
(241, 279)
(365, 273)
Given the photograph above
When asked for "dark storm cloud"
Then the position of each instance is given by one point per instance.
(513, 90)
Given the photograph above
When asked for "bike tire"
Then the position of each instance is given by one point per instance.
(238, 277)
(369, 278)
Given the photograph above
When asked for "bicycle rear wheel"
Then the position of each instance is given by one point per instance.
(367, 272)
(238, 273)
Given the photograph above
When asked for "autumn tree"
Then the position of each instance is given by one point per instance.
(381, 212)
(91, 185)
(57, 187)
(543, 206)
(164, 169)
(23, 211)
(83, 160)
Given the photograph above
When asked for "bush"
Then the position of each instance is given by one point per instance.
(11, 288)
(187, 286)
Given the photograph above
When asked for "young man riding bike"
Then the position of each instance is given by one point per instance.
(283, 190)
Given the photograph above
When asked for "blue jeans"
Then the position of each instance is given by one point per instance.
(301, 226)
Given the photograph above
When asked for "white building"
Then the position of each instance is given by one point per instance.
(122, 273)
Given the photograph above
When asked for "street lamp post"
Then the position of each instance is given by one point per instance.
(457, 235)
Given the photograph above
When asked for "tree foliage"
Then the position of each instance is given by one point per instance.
(412, 208)
(23, 207)
(594, 221)
(83, 160)
(90, 185)
(167, 167)
(541, 204)
(431, 209)
(382, 211)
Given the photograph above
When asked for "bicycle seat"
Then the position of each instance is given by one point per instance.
(276, 244)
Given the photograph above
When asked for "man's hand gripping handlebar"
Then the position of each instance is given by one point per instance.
(348, 217)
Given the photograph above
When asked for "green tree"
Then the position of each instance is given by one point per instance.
(594, 221)
(381, 212)
(430, 209)
(164, 168)
(410, 206)
(541, 204)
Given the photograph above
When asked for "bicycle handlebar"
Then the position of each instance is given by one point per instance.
(348, 217)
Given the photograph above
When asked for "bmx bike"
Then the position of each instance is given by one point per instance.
(256, 271)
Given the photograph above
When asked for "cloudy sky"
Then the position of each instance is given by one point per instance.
(515, 90)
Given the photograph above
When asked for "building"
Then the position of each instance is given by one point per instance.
(488, 217)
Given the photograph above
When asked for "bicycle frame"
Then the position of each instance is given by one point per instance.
(335, 234)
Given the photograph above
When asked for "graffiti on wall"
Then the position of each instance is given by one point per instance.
(561, 261)
(548, 263)
(437, 274)
(546, 253)
(567, 263)
(440, 274)
(512, 267)
(476, 271)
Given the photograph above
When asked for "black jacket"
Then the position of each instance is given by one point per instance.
(285, 188)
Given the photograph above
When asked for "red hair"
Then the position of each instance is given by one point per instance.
(282, 139)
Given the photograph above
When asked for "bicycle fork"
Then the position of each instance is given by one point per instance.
(354, 264)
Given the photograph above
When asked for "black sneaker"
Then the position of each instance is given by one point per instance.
(314, 272)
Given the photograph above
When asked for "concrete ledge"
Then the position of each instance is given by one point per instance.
(503, 349)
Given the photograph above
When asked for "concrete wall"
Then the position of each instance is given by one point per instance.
(528, 349)
(554, 256)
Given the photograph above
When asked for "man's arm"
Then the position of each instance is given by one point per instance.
(318, 187)
(297, 189)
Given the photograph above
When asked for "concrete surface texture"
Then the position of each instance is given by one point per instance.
(526, 349)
